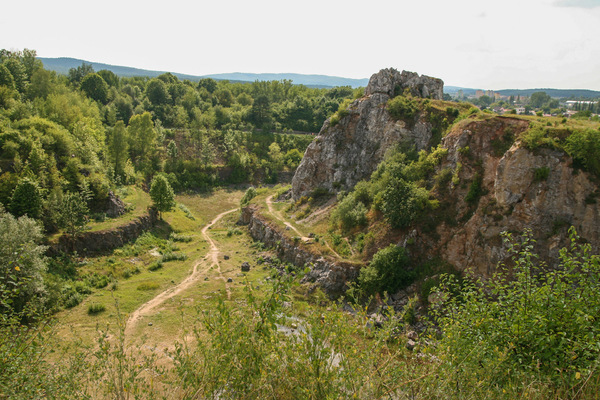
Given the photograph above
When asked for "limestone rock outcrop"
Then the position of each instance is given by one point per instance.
(331, 276)
(344, 153)
(512, 200)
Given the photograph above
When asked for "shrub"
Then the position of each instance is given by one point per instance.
(541, 174)
(248, 196)
(155, 265)
(129, 272)
(584, 147)
(170, 256)
(180, 238)
(475, 190)
(527, 321)
(96, 308)
(186, 211)
(402, 202)
(349, 213)
(404, 108)
(73, 300)
(387, 272)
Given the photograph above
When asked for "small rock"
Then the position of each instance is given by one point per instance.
(226, 257)
(410, 344)
(229, 280)
(206, 278)
(311, 235)
(149, 323)
(245, 266)
(287, 228)
(412, 335)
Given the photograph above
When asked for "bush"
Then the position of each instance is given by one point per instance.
(404, 108)
(403, 201)
(180, 238)
(349, 213)
(186, 211)
(541, 174)
(527, 321)
(96, 308)
(170, 256)
(387, 272)
(584, 147)
(248, 196)
(475, 190)
(155, 265)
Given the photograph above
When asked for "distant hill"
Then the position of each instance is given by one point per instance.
(556, 93)
(63, 64)
(301, 79)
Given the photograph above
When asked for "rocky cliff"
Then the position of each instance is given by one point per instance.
(498, 184)
(521, 189)
(329, 275)
(89, 243)
(350, 150)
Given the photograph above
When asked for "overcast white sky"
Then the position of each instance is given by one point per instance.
(472, 43)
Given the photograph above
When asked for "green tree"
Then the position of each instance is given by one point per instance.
(162, 194)
(26, 199)
(21, 260)
(538, 99)
(109, 77)
(17, 70)
(208, 83)
(142, 136)
(95, 88)
(77, 74)
(6, 78)
(388, 271)
(75, 212)
(157, 92)
(118, 148)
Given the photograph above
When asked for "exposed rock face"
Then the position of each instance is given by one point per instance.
(330, 276)
(513, 200)
(114, 206)
(89, 243)
(343, 154)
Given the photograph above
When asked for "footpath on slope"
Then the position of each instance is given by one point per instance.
(200, 266)
(305, 239)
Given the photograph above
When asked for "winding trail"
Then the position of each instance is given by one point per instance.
(305, 239)
(200, 266)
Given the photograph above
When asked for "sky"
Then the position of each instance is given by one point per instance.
(499, 44)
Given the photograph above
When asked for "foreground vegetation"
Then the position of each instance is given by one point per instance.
(500, 339)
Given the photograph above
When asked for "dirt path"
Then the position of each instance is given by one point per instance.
(276, 214)
(200, 266)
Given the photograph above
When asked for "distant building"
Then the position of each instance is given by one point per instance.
(520, 110)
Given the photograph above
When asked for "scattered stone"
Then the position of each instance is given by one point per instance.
(410, 344)
(206, 278)
(287, 228)
(229, 280)
(412, 335)
(149, 323)
(245, 266)
(226, 257)
(311, 235)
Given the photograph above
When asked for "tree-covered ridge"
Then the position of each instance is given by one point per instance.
(91, 131)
